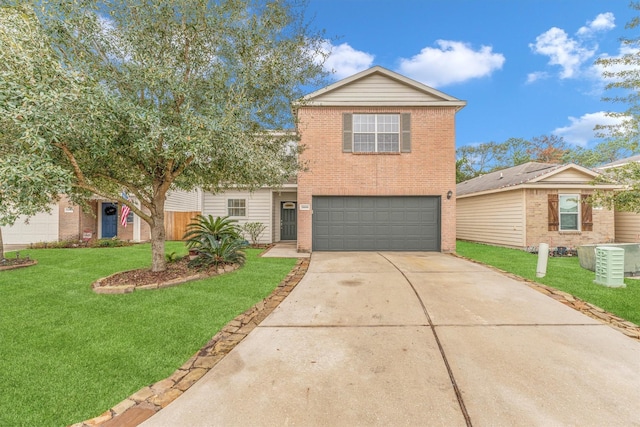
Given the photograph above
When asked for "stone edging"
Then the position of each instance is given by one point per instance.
(628, 328)
(149, 400)
(13, 267)
(126, 289)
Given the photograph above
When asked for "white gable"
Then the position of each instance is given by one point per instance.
(380, 87)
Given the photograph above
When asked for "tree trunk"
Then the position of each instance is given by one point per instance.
(1, 246)
(158, 260)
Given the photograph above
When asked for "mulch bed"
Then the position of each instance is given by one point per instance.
(144, 276)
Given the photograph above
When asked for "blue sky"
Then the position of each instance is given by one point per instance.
(525, 67)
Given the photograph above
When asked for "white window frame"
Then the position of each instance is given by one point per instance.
(577, 213)
(380, 128)
(231, 206)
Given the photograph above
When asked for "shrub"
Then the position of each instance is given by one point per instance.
(108, 243)
(204, 228)
(254, 230)
(212, 252)
(172, 257)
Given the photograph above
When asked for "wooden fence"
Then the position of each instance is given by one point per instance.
(175, 223)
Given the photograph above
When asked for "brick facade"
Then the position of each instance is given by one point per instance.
(428, 170)
(74, 222)
(537, 226)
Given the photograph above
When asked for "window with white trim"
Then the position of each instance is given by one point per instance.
(237, 207)
(569, 212)
(376, 133)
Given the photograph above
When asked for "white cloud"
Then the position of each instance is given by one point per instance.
(581, 130)
(452, 62)
(562, 50)
(570, 53)
(602, 22)
(535, 76)
(344, 61)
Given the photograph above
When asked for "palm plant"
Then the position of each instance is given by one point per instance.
(214, 241)
(215, 252)
(205, 229)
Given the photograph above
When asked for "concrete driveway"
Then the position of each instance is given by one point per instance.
(408, 339)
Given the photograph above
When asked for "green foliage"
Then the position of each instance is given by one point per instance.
(70, 354)
(626, 199)
(215, 241)
(254, 230)
(172, 257)
(114, 242)
(165, 94)
(624, 85)
(212, 252)
(563, 273)
(474, 160)
(205, 230)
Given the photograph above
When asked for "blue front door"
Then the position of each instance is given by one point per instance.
(109, 220)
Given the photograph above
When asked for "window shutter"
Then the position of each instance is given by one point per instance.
(553, 212)
(405, 145)
(587, 213)
(347, 132)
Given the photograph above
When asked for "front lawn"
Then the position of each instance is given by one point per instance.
(68, 354)
(563, 273)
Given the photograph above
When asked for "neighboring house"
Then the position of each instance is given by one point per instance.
(379, 158)
(627, 223)
(533, 203)
(68, 221)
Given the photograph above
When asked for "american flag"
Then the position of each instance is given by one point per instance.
(125, 211)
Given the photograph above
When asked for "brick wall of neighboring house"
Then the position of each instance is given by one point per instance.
(74, 221)
(538, 227)
(429, 169)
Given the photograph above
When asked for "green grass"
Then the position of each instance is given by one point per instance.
(563, 273)
(68, 354)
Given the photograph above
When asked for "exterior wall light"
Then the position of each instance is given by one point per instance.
(449, 194)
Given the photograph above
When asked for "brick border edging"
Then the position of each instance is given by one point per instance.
(14, 267)
(628, 328)
(98, 288)
(149, 400)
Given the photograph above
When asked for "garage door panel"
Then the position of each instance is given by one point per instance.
(376, 223)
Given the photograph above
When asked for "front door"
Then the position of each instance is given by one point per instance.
(109, 220)
(288, 221)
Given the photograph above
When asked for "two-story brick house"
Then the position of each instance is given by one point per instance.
(379, 152)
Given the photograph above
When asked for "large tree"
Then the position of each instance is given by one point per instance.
(623, 74)
(474, 160)
(149, 96)
(29, 182)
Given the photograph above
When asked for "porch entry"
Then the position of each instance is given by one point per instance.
(109, 220)
(288, 221)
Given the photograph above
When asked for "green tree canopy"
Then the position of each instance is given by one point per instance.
(623, 74)
(148, 96)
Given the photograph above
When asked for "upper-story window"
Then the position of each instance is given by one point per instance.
(376, 133)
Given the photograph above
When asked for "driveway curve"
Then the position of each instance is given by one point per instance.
(414, 338)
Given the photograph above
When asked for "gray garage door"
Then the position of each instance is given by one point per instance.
(400, 223)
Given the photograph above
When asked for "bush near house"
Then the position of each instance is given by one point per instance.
(254, 230)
